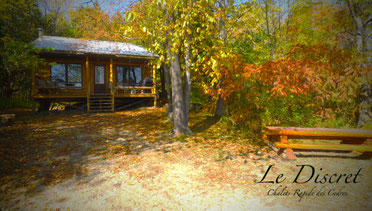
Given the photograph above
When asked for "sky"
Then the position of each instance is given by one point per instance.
(110, 6)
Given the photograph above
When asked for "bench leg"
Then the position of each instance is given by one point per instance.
(287, 152)
(364, 155)
(271, 141)
(355, 141)
(367, 155)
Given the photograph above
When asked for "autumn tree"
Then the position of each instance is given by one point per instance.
(91, 22)
(360, 13)
(185, 36)
(288, 43)
(55, 15)
(222, 37)
(19, 21)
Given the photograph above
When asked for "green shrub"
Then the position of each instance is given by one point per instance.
(6, 103)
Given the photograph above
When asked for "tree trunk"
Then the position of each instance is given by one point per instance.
(178, 99)
(221, 36)
(219, 107)
(169, 110)
(169, 91)
(365, 106)
(363, 32)
(188, 74)
(9, 87)
(268, 31)
(179, 126)
(187, 85)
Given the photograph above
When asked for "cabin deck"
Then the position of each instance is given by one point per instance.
(94, 72)
(96, 75)
(94, 102)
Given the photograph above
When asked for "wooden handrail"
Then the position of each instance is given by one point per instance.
(134, 87)
(59, 87)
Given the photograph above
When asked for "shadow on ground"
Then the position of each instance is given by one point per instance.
(205, 124)
(50, 149)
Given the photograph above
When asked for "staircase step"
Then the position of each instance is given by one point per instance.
(100, 98)
(100, 101)
(100, 104)
(101, 107)
(96, 111)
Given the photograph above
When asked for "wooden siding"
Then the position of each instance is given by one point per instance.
(44, 73)
(146, 72)
(92, 65)
(146, 69)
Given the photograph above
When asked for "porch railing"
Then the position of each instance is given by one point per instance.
(134, 90)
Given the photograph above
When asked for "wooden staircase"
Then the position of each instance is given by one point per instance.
(101, 103)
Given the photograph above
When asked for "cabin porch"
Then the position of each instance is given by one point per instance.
(101, 82)
(95, 102)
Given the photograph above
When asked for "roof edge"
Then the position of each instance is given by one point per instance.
(100, 54)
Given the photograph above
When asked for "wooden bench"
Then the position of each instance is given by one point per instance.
(6, 119)
(352, 139)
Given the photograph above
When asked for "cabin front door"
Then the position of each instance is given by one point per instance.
(99, 79)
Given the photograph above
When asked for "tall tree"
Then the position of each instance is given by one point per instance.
(19, 21)
(91, 22)
(55, 15)
(222, 37)
(183, 33)
(188, 65)
(360, 12)
(164, 19)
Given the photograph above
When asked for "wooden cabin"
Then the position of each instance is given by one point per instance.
(101, 75)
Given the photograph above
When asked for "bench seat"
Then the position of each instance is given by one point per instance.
(352, 139)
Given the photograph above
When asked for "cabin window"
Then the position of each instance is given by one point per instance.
(129, 75)
(66, 74)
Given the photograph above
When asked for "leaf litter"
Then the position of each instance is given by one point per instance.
(128, 161)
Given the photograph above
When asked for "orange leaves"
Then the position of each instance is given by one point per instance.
(95, 23)
(328, 74)
(286, 76)
(305, 70)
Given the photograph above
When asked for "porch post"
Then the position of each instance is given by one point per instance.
(112, 85)
(154, 80)
(87, 82)
(33, 90)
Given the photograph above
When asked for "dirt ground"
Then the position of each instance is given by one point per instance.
(128, 161)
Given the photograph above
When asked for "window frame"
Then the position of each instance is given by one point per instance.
(131, 68)
(66, 82)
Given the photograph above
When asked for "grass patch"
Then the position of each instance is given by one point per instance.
(6, 103)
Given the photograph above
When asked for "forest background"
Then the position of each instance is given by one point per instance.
(251, 63)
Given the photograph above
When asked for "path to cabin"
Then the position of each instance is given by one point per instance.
(127, 161)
